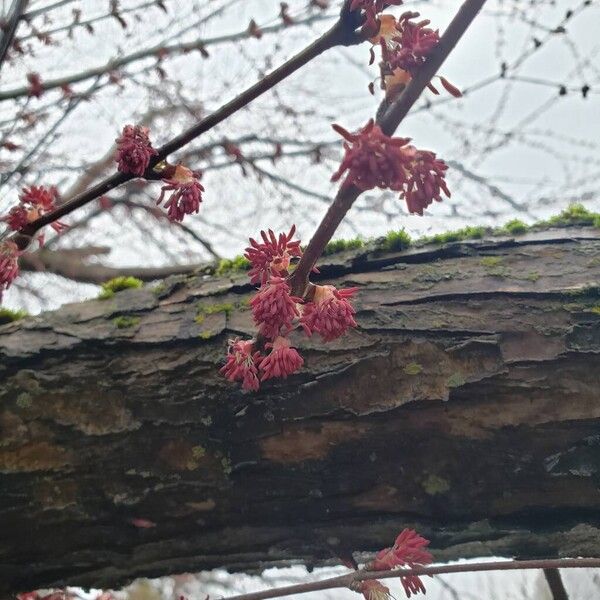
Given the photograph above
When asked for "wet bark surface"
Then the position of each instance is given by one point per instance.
(466, 405)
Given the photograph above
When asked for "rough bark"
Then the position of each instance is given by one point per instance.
(466, 405)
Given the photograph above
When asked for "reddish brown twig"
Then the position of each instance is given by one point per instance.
(389, 121)
(345, 581)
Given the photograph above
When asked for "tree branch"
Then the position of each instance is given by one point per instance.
(342, 33)
(154, 51)
(71, 265)
(555, 583)
(346, 581)
(9, 31)
(389, 121)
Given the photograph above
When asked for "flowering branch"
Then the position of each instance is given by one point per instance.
(349, 580)
(343, 33)
(388, 120)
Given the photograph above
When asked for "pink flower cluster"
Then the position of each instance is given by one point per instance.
(276, 313)
(370, 10)
(373, 159)
(272, 256)
(409, 49)
(409, 550)
(134, 150)
(405, 46)
(34, 202)
(134, 153)
(186, 193)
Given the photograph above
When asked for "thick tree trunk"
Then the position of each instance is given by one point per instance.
(467, 405)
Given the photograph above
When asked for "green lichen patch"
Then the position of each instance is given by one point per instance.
(118, 284)
(490, 261)
(126, 321)
(237, 264)
(213, 309)
(456, 380)
(413, 368)
(9, 316)
(336, 246)
(395, 240)
(206, 335)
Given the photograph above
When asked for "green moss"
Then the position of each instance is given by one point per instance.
(24, 400)
(532, 276)
(595, 310)
(515, 226)
(588, 291)
(126, 321)
(434, 484)
(118, 284)
(395, 240)
(574, 214)
(413, 368)
(490, 261)
(198, 452)
(8, 316)
(206, 335)
(157, 290)
(336, 246)
(233, 265)
(213, 309)
(226, 465)
(466, 233)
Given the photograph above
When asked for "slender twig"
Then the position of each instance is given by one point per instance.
(389, 122)
(343, 33)
(154, 51)
(8, 34)
(555, 583)
(345, 581)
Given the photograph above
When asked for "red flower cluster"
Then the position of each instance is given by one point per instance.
(274, 308)
(9, 265)
(244, 364)
(272, 257)
(281, 361)
(134, 150)
(276, 313)
(186, 193)
(330, 314)
(374, 159)
(370, 10)
(36, 87)
(405, 46)
(410, 48)
(34, 202)
(408, 551)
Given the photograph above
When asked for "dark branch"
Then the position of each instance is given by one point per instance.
(9, 31)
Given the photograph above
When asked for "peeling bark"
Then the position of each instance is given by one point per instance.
(467, 405)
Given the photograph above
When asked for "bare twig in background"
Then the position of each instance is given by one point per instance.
(8, 32)
(555, 583)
